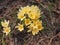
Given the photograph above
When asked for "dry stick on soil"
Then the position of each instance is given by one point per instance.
(42, 40)
(52, 39)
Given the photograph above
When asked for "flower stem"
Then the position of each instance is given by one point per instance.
(3, 42)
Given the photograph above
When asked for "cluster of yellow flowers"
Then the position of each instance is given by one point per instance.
(29, 17)
(6, 28)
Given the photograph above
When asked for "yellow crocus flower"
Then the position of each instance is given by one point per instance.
(27, 22)
(20, 16)
(20, 27)
(35, 13)
(5, 23)
(6, 30)
(35, 31)
(31, 15)
(40, 27)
